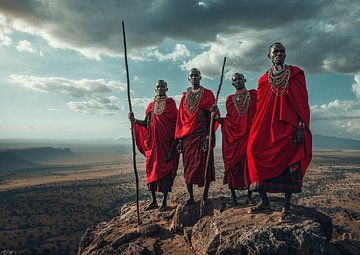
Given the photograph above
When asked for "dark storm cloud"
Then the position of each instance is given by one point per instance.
(149, 22)
(319, 35)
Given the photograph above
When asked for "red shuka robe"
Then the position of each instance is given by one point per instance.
(186, 121)
(235, 133)
(193, 134)
(155, 140)
(271, 149)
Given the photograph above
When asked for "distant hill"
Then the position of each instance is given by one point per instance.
(42, 153)
(123, 140)
(10, 161)
(329, 142)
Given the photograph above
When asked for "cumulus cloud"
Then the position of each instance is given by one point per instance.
(236, 47)
(53, 109)
(337, 109)
(99, 105)
(351, 126)
(180, 52)
(67, 87)
(339, 116)
(356, 85)
(25, 46)
(5, 40)
(239, 29)
(141, 102)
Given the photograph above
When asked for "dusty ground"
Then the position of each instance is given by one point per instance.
(48, 209)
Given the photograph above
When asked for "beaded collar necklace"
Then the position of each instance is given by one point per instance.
(278, 77)
(159, 105)
(241, 101)
(193, 98)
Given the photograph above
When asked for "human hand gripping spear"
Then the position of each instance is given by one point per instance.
(207, 182)
(132, 127)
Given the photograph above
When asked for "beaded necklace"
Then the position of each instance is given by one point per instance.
(279, 81)
(159, 105)
(241, 101)
(193, 98)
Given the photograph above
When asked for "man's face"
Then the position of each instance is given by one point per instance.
(238, 81)
(194, 77)
(160, 88)
(277, 54)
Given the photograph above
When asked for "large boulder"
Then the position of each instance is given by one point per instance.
(122, 235)
(221, 230)
(234, 231)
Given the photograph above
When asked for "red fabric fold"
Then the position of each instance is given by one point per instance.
(235, 131)
(193, 133)
(186, 121)
(271, 149)
(155, 141)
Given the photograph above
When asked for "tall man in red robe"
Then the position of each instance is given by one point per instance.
(241, 108)
(155, 139)
(192, 129)
(280, 142)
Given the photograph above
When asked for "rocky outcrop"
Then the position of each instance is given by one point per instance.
(184, 216)
(223, 230)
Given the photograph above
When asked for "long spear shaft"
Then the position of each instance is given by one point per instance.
(210, 137)
(132, 128)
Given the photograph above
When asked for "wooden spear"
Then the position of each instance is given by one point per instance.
(132, 127)
(211, 128)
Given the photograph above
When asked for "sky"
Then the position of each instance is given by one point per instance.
(63, 73)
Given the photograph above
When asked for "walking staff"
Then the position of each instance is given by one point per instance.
(132, 127)
(211, 128)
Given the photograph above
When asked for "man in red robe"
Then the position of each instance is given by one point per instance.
(192, 130)
(155, 139)
(280, 143)
(241, 108)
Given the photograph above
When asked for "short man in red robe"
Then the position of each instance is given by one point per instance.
(192, 130)
(241, 108)
(280, 142)
(155, 139)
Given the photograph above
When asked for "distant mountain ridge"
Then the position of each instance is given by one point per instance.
(11, 161)
(43, 153)
(29, 158)
(329, 142)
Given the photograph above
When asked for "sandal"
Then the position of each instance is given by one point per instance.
(190, 201)
(250, 201)
(260, 208)
(151, 206)
(285, 216)
(205, 202)
(232, 203)
(163, 208)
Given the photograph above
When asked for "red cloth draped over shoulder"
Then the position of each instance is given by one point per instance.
(155, 140)
(271, 149)
(235, 131)
(186, 121)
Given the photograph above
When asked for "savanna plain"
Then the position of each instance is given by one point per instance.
(47, 207)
